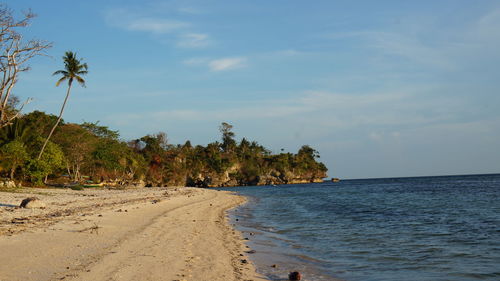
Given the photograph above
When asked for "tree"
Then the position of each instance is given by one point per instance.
(39, 169)
(228, 142)
(14, 154)
(100, 131)
(73, 70)
(77, 143)
(17, 130)
(14, 55)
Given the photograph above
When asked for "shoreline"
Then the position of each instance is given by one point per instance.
(275, 255)
(138, 234)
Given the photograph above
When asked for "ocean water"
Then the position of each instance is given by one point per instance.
(425, 228)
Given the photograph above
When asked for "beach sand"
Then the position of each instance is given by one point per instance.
(139, 234)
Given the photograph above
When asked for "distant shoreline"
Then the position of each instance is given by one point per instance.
(434, 176)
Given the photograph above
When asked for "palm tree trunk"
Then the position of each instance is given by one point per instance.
(58, 120)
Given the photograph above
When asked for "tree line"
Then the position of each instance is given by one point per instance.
(92, 152)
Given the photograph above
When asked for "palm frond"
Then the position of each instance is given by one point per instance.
(61, 80)
(80, 80)
(63, 72)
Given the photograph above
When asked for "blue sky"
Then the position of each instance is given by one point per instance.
(379, 88)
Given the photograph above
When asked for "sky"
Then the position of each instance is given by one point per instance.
(379, 88)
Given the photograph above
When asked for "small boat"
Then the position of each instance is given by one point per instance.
(335, 179)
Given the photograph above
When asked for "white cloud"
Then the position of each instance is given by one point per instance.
(135, 21)
(196, 61)
(194, 40)
(215, 65)
(489, 23)
(155, 25)
(227, 63)
(375, 136)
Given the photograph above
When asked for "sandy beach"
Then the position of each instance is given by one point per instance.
(138, 234)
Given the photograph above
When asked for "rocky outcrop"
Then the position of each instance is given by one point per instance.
(229, 178)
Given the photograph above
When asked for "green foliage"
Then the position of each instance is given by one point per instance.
(77, 144)
(100, 131)
(13, 156)
(39, 123)
(51, 162)
(95, 152)
(228, 142)
(37, 170)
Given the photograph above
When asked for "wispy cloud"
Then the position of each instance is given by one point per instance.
(155, 25)
(325, 109)
(227, 63)
(405, 45)
(222, 64)
(133, 21)
(171, 26)
(196, 61)
(194, 40)
(288, 52)
(431, 44)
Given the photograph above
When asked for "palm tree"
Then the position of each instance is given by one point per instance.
(73, 70)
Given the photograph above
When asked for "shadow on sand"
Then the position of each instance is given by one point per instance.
(7, 205)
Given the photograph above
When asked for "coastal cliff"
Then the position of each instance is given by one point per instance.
(272, 177)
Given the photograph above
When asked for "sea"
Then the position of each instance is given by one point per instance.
(419, 228)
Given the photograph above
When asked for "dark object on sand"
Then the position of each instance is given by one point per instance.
(294, 275)
(32, 202)
(274, 265)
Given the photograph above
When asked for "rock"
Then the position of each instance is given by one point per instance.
(244, 261)
(32, 202)
(274, 266)
(8, 184)
(294, 276)
(251, 252)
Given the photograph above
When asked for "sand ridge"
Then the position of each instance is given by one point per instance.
(150, 234)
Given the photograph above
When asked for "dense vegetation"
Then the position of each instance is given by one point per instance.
(90, 152)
